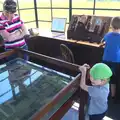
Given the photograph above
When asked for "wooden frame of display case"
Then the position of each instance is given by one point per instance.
(74, 85)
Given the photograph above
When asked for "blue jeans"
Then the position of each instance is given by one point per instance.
(25, 57)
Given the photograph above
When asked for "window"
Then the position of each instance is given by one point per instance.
(30, 25)
(43, 3)
(81, 12)
(26, 4)
(44, 14)
(67, 25)
(60, 3)
(82, 3)
(107, 13)
(45, 26)
(61, 13)
(111, 4)
(1, 5)
(27, 15)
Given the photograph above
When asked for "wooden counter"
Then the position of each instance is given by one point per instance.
(61, 36)
(48, 43)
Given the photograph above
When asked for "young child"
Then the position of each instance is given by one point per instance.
(100, 75)
(111, 55)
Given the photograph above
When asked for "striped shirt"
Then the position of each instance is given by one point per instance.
(11, 27)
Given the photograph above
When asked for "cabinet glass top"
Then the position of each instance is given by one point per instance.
(26, 87)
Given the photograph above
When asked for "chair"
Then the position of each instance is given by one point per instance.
(67, 54)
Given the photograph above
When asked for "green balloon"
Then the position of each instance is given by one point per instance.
(100, 71)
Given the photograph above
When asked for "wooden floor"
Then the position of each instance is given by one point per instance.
(72, 114)
(112, 114)
(113, 111)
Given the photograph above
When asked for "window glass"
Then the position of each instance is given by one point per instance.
(27, 15)
(44, 14)
(109, 4)
(82, 3)
(60, 3)
(107, 13)
(81, 12)
(26, 4)
(30, 25)
(45, 26)
(61, 13)
(67, 25)
(1, 5)
(43, 3)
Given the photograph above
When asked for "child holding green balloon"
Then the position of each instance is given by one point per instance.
(100, 75)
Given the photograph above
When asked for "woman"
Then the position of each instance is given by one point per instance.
(12, 28)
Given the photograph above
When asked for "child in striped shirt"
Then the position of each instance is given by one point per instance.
(12, 28)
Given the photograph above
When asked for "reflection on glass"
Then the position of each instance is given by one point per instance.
(25, 86)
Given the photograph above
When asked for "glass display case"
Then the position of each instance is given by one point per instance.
(28, 89)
